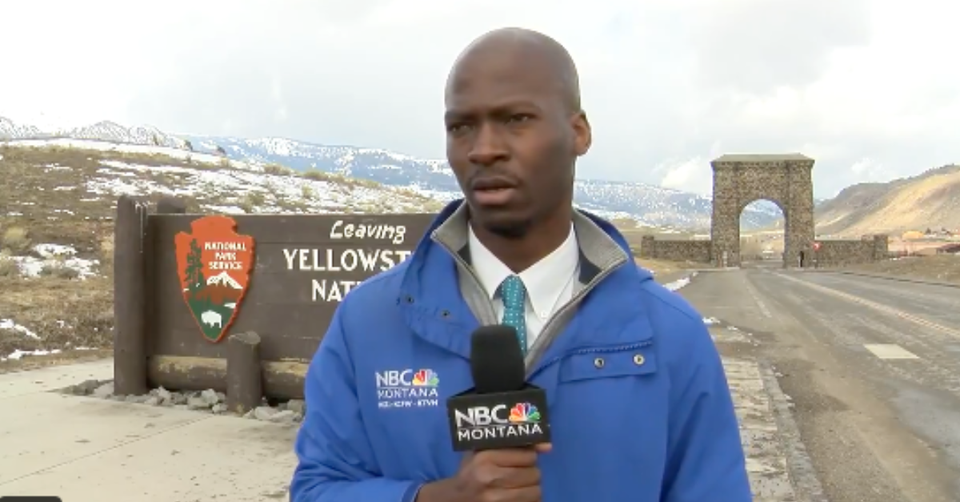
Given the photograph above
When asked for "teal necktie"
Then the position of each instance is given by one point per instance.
(514, 297)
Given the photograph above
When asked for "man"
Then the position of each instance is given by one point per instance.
(639, 404)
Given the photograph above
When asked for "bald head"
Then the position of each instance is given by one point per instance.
(515, 129)
(528, 50)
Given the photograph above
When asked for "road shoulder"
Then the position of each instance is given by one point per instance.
(777, 463)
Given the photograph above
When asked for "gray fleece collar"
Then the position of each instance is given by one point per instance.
(598, 251)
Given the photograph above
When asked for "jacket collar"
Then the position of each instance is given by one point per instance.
(601, 244)
(430, 290)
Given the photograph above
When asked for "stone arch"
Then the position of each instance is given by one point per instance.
(738, 180)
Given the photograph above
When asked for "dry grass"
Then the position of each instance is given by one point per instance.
(15, 240)
(64, 313)
(36, 207)
(8, 268)
(940, 268)
(53, 207)
(278, 169)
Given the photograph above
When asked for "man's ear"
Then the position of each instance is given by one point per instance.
(583, 134)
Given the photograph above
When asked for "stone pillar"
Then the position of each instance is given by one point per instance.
(881, 247)
(799, 231)
(648, 246)
(725, 220)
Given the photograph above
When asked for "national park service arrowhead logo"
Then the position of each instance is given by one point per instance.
(214, 264)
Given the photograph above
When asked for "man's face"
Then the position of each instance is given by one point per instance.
(511, 141)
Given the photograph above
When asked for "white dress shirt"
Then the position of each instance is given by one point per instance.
(549, 282)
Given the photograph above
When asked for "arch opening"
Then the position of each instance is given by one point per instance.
(761, 233)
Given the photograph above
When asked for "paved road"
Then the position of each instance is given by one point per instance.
(872, 367)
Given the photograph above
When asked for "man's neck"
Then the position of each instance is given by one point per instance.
(519, 254)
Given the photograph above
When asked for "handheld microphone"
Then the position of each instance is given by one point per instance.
(501, 410)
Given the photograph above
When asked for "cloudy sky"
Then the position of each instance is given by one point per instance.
(869, 88)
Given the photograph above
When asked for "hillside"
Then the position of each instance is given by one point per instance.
(929, 200)
(649, 205)
(57, 200)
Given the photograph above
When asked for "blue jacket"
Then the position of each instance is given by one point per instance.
(655, 424)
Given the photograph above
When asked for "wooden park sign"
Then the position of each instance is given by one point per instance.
(213, 264)
(183, 282)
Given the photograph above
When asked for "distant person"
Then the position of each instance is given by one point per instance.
(639, 403)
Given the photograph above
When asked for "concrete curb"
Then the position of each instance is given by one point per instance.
(715, 269)
(675, 276)
(799, 465)
(888, 277)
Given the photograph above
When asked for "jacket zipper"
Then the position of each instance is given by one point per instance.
(532, 369)
(463, 264)
(538, 349)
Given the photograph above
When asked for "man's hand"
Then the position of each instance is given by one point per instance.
(508, 475)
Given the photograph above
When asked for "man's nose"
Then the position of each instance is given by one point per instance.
(488, 147)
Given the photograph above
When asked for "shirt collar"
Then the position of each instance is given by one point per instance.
(544, 280)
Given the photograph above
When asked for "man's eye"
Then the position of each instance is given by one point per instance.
(520, 117)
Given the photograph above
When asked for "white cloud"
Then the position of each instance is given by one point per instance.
(668, 84)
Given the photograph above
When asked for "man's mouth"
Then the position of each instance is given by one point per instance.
(492, 192)
(489, 185)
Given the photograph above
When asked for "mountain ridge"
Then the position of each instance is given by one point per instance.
(647, 205)
(929, 200)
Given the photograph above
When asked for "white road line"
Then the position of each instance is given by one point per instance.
(756, 297)
(889, 351)
(878, 307)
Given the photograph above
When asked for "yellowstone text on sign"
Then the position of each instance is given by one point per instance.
(346, 260)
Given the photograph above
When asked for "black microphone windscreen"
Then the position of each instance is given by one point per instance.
(496, 361)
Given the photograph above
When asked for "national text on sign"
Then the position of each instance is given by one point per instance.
(225, 255)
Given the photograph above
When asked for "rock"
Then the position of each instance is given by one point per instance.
(264, 412)
(104, 390)
(283, 417)
(84, 388)
(296, 406)
(197, 403)
(208, 400)
(210, 396)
